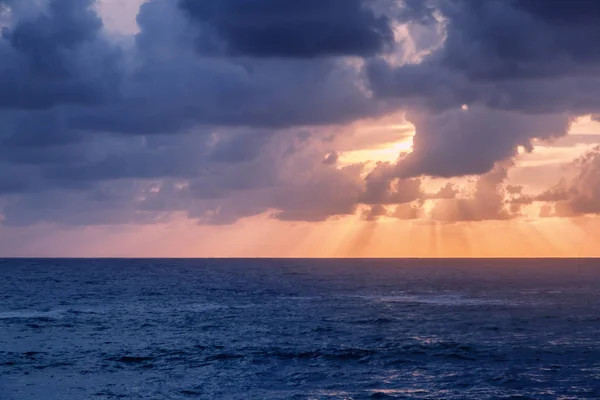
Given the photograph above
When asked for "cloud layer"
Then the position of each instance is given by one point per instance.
(227, 109)
(272, 28)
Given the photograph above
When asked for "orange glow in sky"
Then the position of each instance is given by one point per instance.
(351, 236)
(346, 237)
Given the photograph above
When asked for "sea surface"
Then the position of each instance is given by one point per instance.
(299, 329)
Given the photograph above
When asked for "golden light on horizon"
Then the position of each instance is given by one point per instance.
(527, 236)
(352, 236)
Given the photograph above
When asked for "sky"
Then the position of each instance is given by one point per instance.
(320, 128)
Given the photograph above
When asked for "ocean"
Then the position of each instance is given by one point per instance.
(299, 329)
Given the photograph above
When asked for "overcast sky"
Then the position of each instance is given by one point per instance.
(299, 128)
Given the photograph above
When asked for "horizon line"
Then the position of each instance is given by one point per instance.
(3, 258)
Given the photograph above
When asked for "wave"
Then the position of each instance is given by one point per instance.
(440, 300)
(57, 313)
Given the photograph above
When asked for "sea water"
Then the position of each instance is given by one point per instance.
(299, 329)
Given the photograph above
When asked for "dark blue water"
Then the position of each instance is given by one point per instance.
(299, 329)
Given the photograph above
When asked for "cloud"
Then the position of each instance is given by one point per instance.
(579, 195)
(374, 212)
(170, 88)
(316, 202)
(154, 109)
(491, 199)
(406, 212)
(107, 203)
(273, 28)
(331, 159)
(459, 142)
(383, 187)
(238, 147)
(518, 71)
(488, 201)
(446, 192)
(56, 56)
(208, 113)
(485, 40)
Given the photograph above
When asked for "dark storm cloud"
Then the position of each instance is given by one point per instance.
(419, 11)
(43, 129)
(59, 55)
(499, 39)
(520, 68)
(212, 108)
(160, 86)
(108, 203)
(296, 29)
(457, 142)
(15, 179)
(56, 56)
(171, 88)
(239, 148)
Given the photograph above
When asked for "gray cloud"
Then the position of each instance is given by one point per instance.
(579, 195)
(221, 116)
(497, 39)
(521, 69)
(374, 213)
(107, 203)
(488, 201)
(458, 142)
(171, 88)
(273, 28)
(57, 56)
(330, 193)
(446, 192)
(383, 187)
(55, 137)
